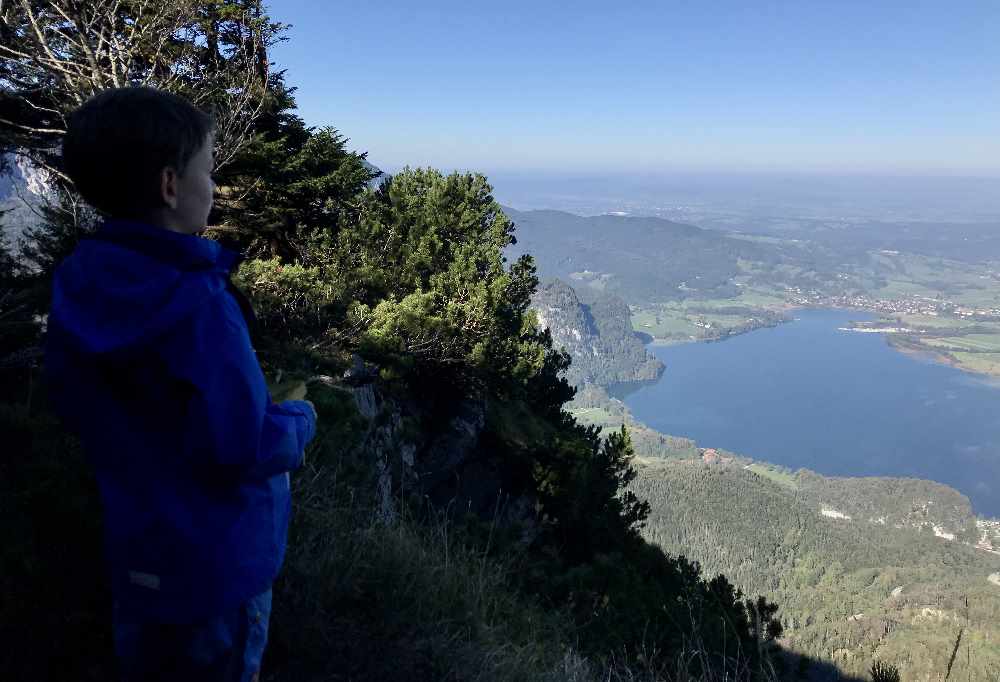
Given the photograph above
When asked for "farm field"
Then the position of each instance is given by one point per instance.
(710, 319)
(972, 343)
(980, 363)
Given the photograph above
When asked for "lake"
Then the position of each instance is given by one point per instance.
(806, 394)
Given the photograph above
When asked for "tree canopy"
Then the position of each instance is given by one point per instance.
(54, 54)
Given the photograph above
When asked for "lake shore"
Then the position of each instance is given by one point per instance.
(900, 338)
(910, 341)
(724, 335)
(752, 396)
(654, 448)
(990, 376)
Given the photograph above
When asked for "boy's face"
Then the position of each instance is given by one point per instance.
(188, 194)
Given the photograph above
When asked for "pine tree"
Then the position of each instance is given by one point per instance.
(291, 189)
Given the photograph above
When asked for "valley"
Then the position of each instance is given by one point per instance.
(886, 567)
(684, 284)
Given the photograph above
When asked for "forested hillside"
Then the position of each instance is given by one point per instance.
(895, 503)
(651, 260)
(594, 407)
(866, 568)
(638, 258)
(852, 590)
(597, 334)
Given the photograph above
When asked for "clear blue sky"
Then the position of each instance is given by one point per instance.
(874, 86)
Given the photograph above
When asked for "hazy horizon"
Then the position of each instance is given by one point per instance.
(887, 89)
(694, 196)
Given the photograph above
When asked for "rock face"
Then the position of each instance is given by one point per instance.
(598, 336)
(21, 177)
(443, 463)
(22, 188)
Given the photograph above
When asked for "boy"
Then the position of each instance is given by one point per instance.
(149, 360)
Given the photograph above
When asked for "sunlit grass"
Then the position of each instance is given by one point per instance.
(780, 477)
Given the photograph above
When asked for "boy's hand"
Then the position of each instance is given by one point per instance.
(289, 390)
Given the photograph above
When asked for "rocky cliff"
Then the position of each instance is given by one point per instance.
(439, 454)
(23, 187)
(598, 335)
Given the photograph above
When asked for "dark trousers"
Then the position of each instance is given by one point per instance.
(227, 648)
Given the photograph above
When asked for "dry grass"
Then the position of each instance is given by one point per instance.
(411, 599)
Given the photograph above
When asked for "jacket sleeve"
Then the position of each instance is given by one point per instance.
(230, 424)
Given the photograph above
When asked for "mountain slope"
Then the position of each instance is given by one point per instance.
(637, 258)
(864, 568)
(597, 335)
(850, 590)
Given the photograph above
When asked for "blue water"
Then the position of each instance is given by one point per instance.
(840, 403)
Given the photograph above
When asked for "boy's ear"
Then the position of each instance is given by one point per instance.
(168, 186)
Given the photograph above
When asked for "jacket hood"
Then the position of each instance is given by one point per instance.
(130, 282)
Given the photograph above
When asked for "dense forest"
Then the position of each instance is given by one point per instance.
(851, 589)
(453, 520)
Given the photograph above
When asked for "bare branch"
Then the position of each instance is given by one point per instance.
(30, 129)
(70, 49)
(96, 74)
(34, 106)
(42, 41)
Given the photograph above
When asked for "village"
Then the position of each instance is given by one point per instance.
(916, 305)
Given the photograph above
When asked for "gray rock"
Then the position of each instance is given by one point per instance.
(597, 334)
(23, 189)
(444, 466)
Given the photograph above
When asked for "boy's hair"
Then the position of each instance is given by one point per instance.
(118, 142)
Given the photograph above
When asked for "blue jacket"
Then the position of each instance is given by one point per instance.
(149, 360)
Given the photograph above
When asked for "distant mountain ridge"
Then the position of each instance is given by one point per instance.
(637, 258)
(649, 260)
